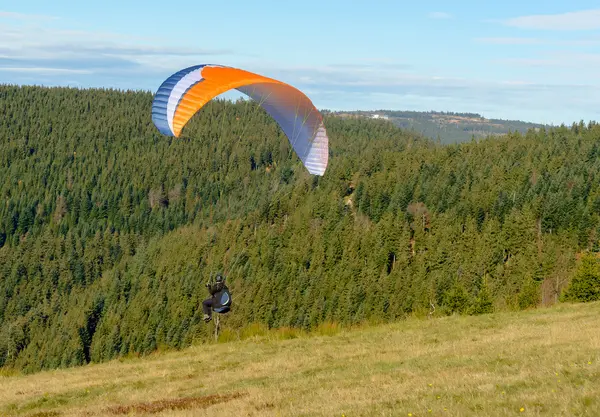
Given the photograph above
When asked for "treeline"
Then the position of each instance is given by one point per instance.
(108, 230)
(413, 114)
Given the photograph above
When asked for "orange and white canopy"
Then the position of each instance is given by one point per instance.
(185, 92)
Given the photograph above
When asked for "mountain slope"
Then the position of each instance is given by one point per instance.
(108, 230)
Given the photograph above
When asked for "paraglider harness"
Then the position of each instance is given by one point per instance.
(221, 297)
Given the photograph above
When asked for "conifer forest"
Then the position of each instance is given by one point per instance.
(110, 230)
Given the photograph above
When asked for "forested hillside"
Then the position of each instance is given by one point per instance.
(108, 230)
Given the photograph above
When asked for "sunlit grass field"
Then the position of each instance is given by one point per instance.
(542, 362)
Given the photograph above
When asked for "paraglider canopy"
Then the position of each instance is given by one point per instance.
(184, 93)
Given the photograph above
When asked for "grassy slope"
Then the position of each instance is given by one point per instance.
(545, 362)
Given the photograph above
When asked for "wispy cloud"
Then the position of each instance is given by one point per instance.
(579, 20)
(370, 67)
(98, 64)
(329, 77)
(23, 16)
(510, 41)
(439, 15)
(532, 102)
(589, 41)
(43, 54)
(557, 59)
(137, 50)
(50, 50)
(47, 70)
(342, 89)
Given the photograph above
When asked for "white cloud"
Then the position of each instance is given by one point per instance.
(542, 104)
(374, 80)
(579, 20)
(23, 16)
(59, 56)
(589, 41)
(42, 70)
(439, 15)
(557, 59)
(567, 99)
(37, 47)
(510, 41)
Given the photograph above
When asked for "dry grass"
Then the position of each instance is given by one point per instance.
(542, 362)
(177, 404)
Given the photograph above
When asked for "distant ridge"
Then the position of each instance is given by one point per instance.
(449, 127)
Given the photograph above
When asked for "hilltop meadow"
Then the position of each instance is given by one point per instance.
(539, 362)
(109, 231)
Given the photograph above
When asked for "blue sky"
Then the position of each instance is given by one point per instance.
(535, 60)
